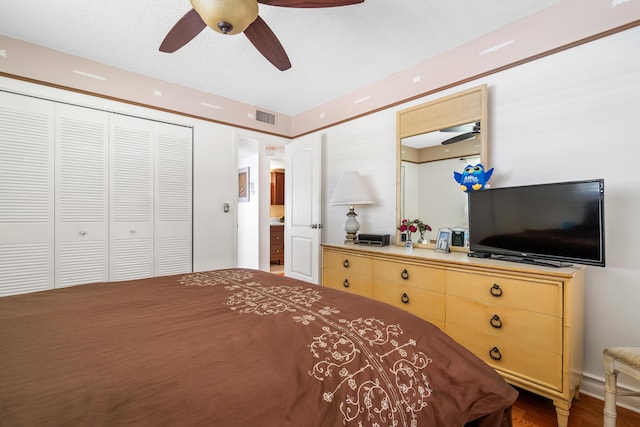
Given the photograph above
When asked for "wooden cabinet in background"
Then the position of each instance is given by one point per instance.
(277, 187)
(277, 244)
(524, 321)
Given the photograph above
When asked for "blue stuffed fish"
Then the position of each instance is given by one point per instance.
(473, 178)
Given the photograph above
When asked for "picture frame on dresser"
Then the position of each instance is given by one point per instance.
(443, 242)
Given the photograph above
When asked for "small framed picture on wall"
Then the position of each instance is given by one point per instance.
(443, 241)
(243, 185)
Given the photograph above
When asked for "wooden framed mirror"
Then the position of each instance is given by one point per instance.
(425, 187)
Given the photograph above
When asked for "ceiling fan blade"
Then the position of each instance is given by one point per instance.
(459, 138)
(469, 127)
(182, 32)
(310, 3)
(267, 44)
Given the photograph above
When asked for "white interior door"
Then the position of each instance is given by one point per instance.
(81, 169)
(173, 230)
(26, 194)
(131, 198)
(303, 208)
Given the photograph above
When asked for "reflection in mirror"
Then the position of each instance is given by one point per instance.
(436, 139)
(428, 190)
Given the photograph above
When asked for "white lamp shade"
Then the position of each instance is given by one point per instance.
(351, 191)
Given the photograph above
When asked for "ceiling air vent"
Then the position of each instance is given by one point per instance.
(265, 117)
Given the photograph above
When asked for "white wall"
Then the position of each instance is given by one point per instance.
(214, 184)
(367, 146)
(570, 116)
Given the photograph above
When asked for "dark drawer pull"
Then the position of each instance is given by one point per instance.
(495, 354)
(346, 263)
(345, 283)
(495, 290)
(404, 274)
(405, 298)
(496, 322)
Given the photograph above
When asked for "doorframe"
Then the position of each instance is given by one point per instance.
(262, 190)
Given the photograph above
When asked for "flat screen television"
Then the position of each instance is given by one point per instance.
(551, 224)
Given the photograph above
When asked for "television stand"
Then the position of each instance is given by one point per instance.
(532, 261)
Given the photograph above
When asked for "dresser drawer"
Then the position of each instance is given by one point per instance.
(539, 296)
(529, 328)
(410, 274)
(277, 234)
(529, 363)
(354, 264)
(350, 282)
(277, 250)
(423, 303)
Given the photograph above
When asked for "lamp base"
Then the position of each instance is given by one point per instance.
(351, 226)
(352, 238)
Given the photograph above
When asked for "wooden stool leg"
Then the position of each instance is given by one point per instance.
(610, 391)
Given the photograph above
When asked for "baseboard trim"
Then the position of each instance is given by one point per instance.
(594, 386)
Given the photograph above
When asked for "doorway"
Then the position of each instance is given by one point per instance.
(276, 209)
(256, 216)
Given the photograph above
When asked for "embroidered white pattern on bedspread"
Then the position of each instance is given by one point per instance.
(393, 391)
(382, 374)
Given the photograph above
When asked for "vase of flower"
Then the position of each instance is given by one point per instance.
(409, 242)
(407, 227)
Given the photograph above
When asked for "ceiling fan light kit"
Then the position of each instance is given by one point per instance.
(237, 16)
(227, 16)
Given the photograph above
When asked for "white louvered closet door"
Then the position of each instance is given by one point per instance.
(131, 198)
(82, 227)
(26, 194)
(173, 229)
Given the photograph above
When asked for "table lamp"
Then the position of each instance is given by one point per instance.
(351, 191)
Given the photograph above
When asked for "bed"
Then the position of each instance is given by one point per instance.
(234, 347)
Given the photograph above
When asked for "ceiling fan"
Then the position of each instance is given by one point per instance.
(237, 16)
(470, 130)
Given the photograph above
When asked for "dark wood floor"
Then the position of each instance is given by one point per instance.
(534, 411)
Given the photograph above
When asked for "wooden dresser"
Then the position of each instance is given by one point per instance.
(277, 244)
(525, 321)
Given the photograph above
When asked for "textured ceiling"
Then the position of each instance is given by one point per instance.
(333, 51)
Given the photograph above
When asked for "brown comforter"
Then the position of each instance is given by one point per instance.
(233, 348)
